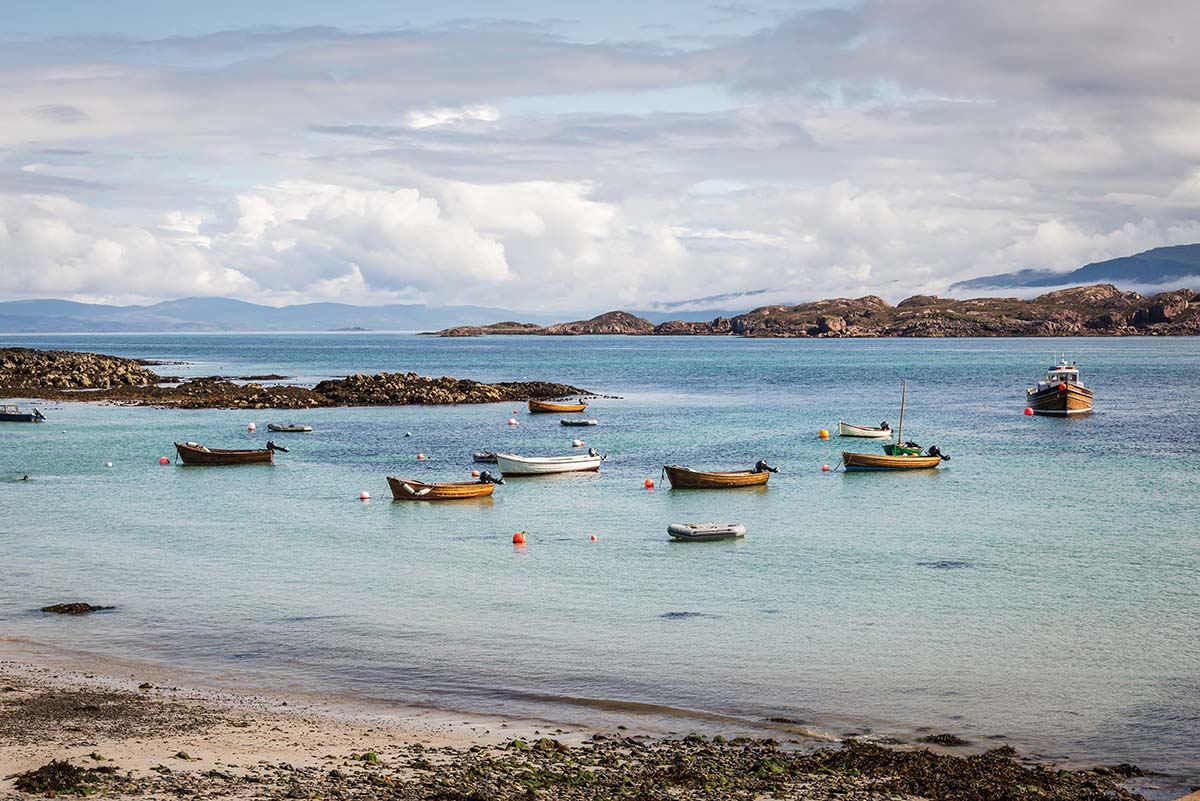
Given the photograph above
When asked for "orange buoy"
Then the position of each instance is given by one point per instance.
(420, 457)
(648, 483)
(474, 474)
(1028, 410)
(364, 496)
(164, 460)
(824, 468)
(250, 426)
(593, 538)
(823, 434)
(519, 538)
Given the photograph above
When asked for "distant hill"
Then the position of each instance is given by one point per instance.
(225, 314)
(1178, 265)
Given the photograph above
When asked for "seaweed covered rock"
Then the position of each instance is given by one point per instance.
(27, 368)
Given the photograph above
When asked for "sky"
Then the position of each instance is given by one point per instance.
(553, 156)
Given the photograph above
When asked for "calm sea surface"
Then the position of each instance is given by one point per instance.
(1043, 586)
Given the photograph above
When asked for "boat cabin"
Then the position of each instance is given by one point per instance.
(1062, 373)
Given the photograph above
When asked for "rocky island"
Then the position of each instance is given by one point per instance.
(69, 375)
(1099, 310)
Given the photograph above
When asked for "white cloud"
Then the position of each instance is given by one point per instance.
(450, 116)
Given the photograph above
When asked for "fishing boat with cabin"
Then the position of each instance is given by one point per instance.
(1060, 393)
(195, 454)
(687, 478)
(545, 407)
(11, 413)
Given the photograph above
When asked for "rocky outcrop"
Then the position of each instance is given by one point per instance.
(68, 369)
(613, 322)
(403, 389)
(506, 327)
(39, 374)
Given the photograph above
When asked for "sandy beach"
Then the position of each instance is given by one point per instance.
(70, 731)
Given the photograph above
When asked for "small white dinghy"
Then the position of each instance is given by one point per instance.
(697, 532)
(511, 464)
(869, 432)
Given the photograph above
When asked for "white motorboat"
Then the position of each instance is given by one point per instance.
(869, 432)
(696, 532)
(511, 464)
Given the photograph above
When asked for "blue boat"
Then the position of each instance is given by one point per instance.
(11, 413)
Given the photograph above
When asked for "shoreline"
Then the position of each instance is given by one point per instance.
(167, 740)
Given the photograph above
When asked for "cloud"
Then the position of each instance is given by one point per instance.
(887, 147)
(451, 116)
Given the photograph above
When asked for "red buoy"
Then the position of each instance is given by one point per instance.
(1061, 387)
(519, 538)
(164, 460)
(648, 483)
(824, 468)
(420, 457)
(593, 538)
(1028, 410)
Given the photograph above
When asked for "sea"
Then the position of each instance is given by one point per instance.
(1041, 589)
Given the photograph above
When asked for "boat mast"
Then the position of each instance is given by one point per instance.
(900, 431)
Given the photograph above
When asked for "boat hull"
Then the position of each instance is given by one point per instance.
(405, 489)
(214, 457)
(8, 417)
(288, 429)
(864, 432)
(513, 465)
(546, 407)
(686, 478)
(688, 532)
(1056, 402)
(580, 422)
(868, 461)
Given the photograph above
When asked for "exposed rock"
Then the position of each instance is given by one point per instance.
(1100, 310)
(75, 608)
(27, 368)
(397, 389)
(613, 322)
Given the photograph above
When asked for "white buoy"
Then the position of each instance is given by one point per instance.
(364, 496)
(250, 426)
(512, 421)
(408, 433)
(577, 443)
(108, 464)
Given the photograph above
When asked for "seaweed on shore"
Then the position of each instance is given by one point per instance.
(60, 778)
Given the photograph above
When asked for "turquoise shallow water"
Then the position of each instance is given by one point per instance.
(1070, 627)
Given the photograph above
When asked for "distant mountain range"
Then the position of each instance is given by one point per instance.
(1174, 266)
(225, 314)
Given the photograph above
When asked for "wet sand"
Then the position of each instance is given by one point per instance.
(134, 735)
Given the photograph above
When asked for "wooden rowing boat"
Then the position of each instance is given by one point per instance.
(866, 432)
(406, 489)
(1061, 393)
(511, 464)
(542, 407)
(702, 532)
(289, 427)
(870, 461)
(193, 453)
(686, 478)
(11, 413)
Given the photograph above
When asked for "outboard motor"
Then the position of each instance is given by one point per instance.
(933, 451)
(271, 446)
(486, 477)
(884, 426)
(38, 415)
(594, 452)
(762, 467)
